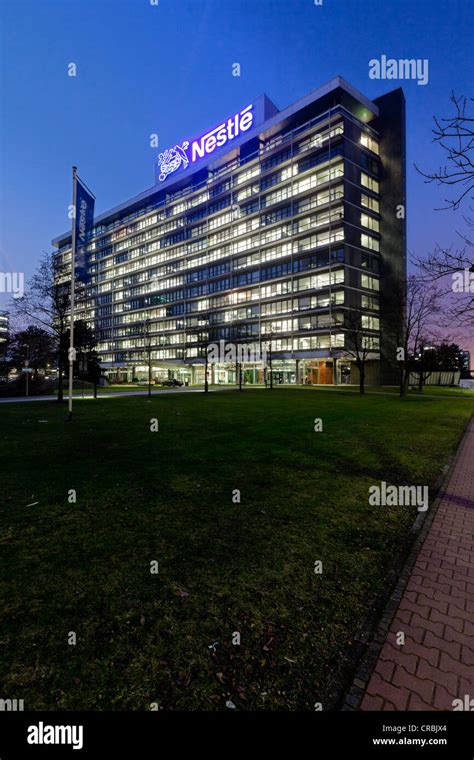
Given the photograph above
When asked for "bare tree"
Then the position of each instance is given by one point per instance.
(235, 338)
(238, 368)
(46, 304)
(359, 344)
(206, 368)
(268, 370)
(457, 265)
(455, 136)
(421, 363)
(407, 336)
(206, 344)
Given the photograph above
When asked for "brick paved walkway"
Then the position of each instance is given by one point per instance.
(436, 613)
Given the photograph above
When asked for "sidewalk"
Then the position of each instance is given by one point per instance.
(435, 665)
(111, 394)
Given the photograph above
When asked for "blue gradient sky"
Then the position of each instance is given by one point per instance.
(168, 69)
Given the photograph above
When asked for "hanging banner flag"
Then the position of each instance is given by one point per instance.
(84, 224)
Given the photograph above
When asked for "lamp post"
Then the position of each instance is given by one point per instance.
(27, 367)
(148, 348)
(270, 362)
(206, 370)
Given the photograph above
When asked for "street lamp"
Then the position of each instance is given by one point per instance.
(270, 361)
(148, 348)
(27, 367)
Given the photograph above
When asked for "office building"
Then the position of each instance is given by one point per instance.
(272, 229)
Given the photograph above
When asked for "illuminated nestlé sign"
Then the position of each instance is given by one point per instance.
(182, 155)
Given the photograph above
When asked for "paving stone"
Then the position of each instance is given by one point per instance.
(436, 610)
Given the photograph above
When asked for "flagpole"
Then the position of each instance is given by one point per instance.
(73, 277)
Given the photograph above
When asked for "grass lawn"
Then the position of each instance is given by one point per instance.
(428, 390)
(224, 567)
(444, 390)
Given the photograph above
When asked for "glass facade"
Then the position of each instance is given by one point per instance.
(271, 245)
(4, 326)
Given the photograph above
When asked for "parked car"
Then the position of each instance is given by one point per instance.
(144, 381)
(172, 383)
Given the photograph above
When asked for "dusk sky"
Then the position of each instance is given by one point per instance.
(167, 69)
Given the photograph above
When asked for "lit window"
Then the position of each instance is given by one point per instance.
(371, 283)
(369, 242)
(370, 143)
(370, 342)
(370, 222)
(370, 323)
(371, 203)
(370, 302)
(369, 182)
